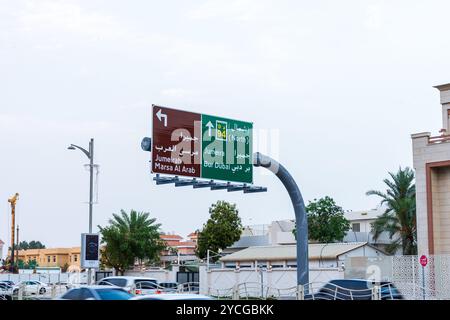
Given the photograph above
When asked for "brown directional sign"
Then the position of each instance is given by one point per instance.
(176, 143)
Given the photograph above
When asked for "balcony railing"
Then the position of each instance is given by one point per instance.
(438, 139)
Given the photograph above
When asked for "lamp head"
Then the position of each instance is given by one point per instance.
(71, 147)
(146, 144)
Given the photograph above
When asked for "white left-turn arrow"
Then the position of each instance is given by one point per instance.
(161, 115)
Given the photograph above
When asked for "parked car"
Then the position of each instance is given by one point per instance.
(9, 282)
(354, 289)
(173, 296)
(6, 291)
(168, 286)
(31, 287)
(138, 285)
(96, 293)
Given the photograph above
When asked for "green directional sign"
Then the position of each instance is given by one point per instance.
(226, 149)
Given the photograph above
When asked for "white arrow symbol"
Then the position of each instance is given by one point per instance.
(209, 125)
(160, 115)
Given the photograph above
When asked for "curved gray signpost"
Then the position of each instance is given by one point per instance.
(260, 160)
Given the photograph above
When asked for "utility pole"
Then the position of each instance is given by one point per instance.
(90, 154)
(17, 245)
(13, 201)
(301, 219)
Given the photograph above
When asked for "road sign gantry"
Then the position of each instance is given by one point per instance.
(200, 146)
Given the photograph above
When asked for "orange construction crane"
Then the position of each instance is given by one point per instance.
(13, 201)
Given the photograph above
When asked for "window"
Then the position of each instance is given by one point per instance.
(86, 294)
(356, 227)
(54, 258)
(291, 264)
(75, 258)
(114, 294)
(120, 282)
(72, 294)
(146, 284)
(48, 258)
(169, 285)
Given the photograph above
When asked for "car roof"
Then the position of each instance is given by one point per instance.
(95, 287)
(174, 296)
(356, 280)
(128, 278)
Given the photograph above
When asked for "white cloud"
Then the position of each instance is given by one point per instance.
(67, 16)
(176, 93)
(373, 19)
(30, 125)
(237, 10)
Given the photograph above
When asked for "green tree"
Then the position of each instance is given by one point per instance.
(399, 219)
(21, 264)
(326, 221)
(24, 245)
(32, 264)
(65, 267)
(36, 245)
(223, 228)
(130, 237)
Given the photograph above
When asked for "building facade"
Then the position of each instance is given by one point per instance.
(280, 232)
(431, 158)
(361, 228)
(53, 257)
(178, 249)
(321, 255)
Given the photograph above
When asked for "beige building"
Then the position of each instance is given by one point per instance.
(431, 157)
(53, 257)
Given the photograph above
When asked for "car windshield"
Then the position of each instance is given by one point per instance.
(114, 294)
(120, 282)
(146, 284)
(168, 284)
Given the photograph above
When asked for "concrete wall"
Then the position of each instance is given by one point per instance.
(440, 185)
(46, 277)
(424, 153)
(160, 275)
(221, 280)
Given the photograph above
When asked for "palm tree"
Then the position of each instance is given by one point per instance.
(129, 237)
(399, 219)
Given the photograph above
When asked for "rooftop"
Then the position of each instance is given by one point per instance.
(316, 251)
(364, 214)
(170, 236)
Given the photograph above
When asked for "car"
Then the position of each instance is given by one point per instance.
(169, 286)
(64, 284)
(173, 296)
(96, 293)
(32, 287)
(11, 283)
(137, 285)
(6, 291)
(354, 289)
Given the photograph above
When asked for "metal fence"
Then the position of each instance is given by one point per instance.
(414, 281)
(311, 291)
(25, 291)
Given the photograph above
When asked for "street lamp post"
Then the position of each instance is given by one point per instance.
(90, 155)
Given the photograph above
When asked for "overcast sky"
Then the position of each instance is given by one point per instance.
(343, 84)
